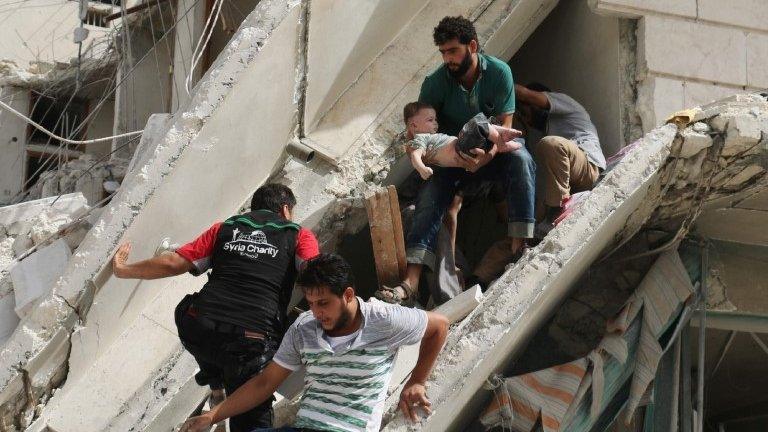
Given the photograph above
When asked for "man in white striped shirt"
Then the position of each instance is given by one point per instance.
(347, 347)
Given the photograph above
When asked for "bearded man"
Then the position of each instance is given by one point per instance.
(467, 83)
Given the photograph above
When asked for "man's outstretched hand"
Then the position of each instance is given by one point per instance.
(412, 398)
(120, 259)
(200, 423)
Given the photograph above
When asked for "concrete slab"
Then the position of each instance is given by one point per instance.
(142, 348)
(167, 401)
(343, 42)
(36, 275)
(68, 204)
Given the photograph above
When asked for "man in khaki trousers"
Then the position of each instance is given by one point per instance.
(568, 158)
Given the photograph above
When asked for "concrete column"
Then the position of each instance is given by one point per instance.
(12, 139)
(191, 15)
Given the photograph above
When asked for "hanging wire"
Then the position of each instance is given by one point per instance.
(197, 56)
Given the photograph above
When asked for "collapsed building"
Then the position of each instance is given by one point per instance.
(309, 93)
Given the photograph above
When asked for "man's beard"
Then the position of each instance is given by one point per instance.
(343, 320)
(464, 66)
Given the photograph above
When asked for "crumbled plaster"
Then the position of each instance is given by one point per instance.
(53, 312)
(85, 174)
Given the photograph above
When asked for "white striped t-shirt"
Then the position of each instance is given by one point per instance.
(345, 388)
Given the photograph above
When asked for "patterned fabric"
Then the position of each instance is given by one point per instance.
(544, 394)
(555, 394)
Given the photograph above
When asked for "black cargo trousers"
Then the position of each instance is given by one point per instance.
(227, 359)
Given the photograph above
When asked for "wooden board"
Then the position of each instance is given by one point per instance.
(386, 235)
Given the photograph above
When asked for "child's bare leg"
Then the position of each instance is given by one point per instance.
(503, 138)
(451, 221)
(418, 164)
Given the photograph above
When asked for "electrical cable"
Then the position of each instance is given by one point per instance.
(209, 26)
(62, 139)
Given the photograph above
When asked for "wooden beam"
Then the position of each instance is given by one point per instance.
(397, 229)
(386, 235)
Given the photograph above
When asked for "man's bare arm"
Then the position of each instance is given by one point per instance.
(251, 394)
(505, 120)
(531, 97)
(414, 393)
(169, 264)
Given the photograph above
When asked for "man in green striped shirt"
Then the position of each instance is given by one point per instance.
(347, 347)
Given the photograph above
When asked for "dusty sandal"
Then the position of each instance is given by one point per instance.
(392, 295)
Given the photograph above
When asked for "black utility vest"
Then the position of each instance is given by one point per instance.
(254, 268)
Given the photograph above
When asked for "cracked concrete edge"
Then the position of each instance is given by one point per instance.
(52, 315)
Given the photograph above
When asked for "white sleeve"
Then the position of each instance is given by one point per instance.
(289, 354)
(407, 326)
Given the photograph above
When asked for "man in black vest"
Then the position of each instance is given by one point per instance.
(234, 324)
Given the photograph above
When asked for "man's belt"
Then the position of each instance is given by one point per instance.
(225, 327)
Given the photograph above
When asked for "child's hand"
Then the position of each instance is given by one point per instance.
(425, 172)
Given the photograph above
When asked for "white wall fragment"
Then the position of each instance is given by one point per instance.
(35, 275)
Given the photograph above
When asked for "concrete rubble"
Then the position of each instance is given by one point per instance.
(46, 226)
(70, 352)
(86, 174)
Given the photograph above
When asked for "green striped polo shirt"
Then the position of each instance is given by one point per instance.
(345, 387)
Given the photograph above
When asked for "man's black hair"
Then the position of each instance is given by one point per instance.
(537, 86)
(456, 27)
(272, 197)
(326, 271)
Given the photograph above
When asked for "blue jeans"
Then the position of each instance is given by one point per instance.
(516, 171)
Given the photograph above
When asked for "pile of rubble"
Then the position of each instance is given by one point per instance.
(37, 239)
(95, 178)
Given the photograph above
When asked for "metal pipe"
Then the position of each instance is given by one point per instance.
(299, 150)
(702, 337)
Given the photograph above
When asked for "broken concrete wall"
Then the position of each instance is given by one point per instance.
(691, 52)
(212, 127)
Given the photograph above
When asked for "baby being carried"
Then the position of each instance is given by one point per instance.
(427, 146)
